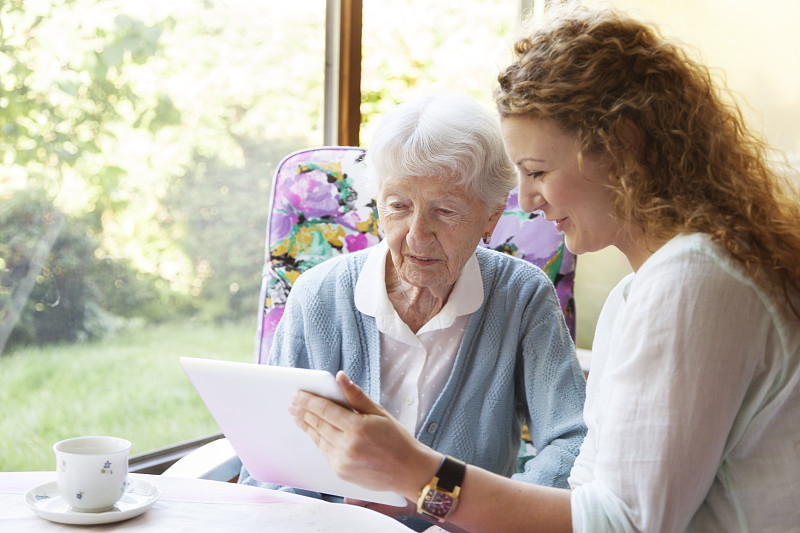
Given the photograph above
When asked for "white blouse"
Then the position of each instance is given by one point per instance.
(415, 368)
(692, 403)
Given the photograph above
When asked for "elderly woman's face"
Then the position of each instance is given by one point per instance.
(432, 227)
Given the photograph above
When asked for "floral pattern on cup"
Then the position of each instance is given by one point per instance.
(92, 472)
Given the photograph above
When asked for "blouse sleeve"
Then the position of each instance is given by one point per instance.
(682, 353)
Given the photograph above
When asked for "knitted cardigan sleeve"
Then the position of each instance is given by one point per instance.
(552, 382)
(516, 364)
(321, 329)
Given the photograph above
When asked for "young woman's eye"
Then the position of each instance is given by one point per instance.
(535, 174)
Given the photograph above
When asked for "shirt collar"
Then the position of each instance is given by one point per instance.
(372, 299)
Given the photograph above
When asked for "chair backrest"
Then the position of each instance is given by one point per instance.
(321, 206)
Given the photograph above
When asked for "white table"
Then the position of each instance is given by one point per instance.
(201, 506)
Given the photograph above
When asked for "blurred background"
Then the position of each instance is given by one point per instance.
(138, 141)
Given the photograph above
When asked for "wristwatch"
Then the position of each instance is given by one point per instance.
(439, 497)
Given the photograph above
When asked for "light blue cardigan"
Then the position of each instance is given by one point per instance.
(516, 364)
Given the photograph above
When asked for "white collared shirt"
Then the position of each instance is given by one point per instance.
(415, 368)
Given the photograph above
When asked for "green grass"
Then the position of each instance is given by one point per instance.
(129, 386)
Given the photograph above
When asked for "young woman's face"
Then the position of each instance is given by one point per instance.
(579, 203)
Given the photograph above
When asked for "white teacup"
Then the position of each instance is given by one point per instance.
(92, 472)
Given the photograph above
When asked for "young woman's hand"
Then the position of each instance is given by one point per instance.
(365, 445)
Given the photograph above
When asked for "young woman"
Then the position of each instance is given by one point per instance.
(693, 399)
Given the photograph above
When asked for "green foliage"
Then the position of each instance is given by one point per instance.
(64, 96)
(413, 47)
(78, 294)
(62, 91)
(154, 127)
(132, 294)
(217, 216)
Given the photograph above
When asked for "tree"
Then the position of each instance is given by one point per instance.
(62, 94)
(118, 119)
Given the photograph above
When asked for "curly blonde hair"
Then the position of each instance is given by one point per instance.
(696, 167)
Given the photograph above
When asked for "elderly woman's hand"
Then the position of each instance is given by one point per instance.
(365, 445)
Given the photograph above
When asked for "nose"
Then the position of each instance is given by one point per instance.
(530, 199)
(420, 233)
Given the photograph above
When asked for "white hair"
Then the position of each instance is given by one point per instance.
(450, 136)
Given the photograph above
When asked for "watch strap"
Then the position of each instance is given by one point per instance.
(451, 473)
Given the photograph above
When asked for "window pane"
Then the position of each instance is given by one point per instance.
(138, 141)
(415, 47)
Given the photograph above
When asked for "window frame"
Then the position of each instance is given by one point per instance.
(343, 28)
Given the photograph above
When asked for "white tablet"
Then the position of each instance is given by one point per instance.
(250, 404)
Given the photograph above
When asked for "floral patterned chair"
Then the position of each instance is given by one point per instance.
(321, 206)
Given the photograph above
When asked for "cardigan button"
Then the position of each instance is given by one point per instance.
(432, 427)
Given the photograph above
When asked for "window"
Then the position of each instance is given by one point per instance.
(414, 47)
(138, 141)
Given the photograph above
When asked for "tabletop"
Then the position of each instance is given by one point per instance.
(199, 506)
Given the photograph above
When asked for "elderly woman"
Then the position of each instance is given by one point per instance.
(460, 343)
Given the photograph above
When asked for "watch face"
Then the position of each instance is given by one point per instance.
(437, 503)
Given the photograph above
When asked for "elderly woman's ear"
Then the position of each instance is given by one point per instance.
(494, 218)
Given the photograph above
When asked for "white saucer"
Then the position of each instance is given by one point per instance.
(47, 503)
